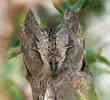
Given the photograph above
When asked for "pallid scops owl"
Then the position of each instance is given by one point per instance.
(55, 60)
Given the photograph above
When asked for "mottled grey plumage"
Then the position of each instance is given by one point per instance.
(55, 60)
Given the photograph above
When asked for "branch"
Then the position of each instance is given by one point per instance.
(13, 52)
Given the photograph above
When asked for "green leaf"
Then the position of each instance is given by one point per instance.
(16, 94)
(13, 52)
(78, 5)
(103, 59)
(42, 24)
(21, 19)
(86, 2)
(59, 26)
(64, 5)
(93, 57)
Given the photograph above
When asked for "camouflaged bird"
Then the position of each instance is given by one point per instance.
(55, 60)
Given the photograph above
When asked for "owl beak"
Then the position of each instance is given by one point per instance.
(53, 64)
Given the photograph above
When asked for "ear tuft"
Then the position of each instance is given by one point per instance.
(69, 13)
(31, 22)
(71, 21)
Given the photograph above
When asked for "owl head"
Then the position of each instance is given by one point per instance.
(52, 50)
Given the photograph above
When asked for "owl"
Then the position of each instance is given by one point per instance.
(55, 60)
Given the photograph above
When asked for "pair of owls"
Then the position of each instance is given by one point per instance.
(55, 60)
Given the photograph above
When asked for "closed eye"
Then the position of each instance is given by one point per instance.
(68, 46)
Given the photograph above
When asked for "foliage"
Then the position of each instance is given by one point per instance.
(98, 5)
(93, 57)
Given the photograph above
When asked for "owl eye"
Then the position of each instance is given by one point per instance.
(69, 45)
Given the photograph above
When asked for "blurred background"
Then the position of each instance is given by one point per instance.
(94, 16)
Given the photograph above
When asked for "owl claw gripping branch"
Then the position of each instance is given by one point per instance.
(55, 60)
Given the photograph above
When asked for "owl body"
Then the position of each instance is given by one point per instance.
(55, 60)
